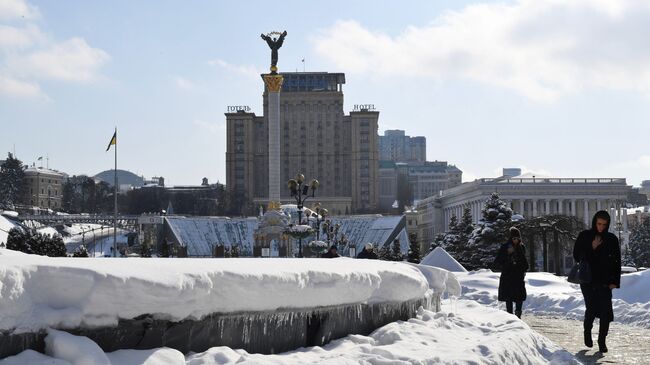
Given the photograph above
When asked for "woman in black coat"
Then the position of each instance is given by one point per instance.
(511, 260)
(602, 251)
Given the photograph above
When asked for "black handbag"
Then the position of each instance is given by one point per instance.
(580, 272)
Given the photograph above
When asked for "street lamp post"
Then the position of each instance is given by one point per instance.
(301, 192)
(321, 213)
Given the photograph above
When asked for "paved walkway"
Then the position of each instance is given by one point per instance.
(626, 344)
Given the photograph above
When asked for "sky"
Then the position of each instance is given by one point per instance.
(557, 88)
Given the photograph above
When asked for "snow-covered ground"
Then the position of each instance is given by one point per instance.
(38, 291)
(550, 294)
(462, 333)
(5, 226)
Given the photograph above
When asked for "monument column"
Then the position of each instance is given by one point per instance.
(273, 82)
(273, 85)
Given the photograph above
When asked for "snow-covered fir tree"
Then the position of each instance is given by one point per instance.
(414, 249)
(396, 251)
(80, 252)
(36, 243)
(490, 232)
(17, 240)
(12, 182)
(639, 244)
(384, 252)
(455, 240)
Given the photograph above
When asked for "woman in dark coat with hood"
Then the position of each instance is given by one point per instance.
(511, 260)
(602, 251)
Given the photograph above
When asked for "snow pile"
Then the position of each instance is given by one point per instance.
(159, 356)
(77, 350)
(470, 334)
(38, 292)
(550, 294)
(5, 226)
(440, 258)
(440, 280)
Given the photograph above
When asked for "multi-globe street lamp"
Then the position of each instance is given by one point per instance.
(301, 191)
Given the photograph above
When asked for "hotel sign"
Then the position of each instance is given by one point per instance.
(364, 107)
(238, 108)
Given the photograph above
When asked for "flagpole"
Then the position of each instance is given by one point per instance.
(115, 196)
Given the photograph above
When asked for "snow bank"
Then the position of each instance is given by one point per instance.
(550, 294)
(5, 226)
(77, 350)
(440, 280)
(38, 292)
(463, 333)
(32, 357)
(440, 258)
(472, 335)
(159, 356)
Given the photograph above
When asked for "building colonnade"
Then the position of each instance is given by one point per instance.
(582, 208)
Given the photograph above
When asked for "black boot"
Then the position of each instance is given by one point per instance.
(588, 324)
(518, 314)
(602, 334)
(588, 341)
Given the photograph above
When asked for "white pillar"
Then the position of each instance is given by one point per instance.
(560, 208)
(547, 207)
(274, 140)
(521, 206)
(534, 207)
(586, 217)
(599, 205)
(574, 211)
(624, 215)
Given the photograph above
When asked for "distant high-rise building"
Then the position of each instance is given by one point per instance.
(396, 146)
(317, 139)
(645, 188)
(425, 179)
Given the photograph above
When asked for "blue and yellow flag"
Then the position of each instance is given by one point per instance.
(112, 142)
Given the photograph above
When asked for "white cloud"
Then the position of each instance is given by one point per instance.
(19, 38)
(20, 89)
(250, 71)
(29, 56)
(183, 83)
(542, 49)
(16, 9)
(73, 60)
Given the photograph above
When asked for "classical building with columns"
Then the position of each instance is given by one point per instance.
(527, 196)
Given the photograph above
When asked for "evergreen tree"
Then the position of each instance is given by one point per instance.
(36, 243)
(384, 252)
(234, 251)
(17, 241)
(455, 241)
(46, 245)
(414, 249)
(13, 184)
(491, 231)
(80, 252)
(639, 244)
(396, 251)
